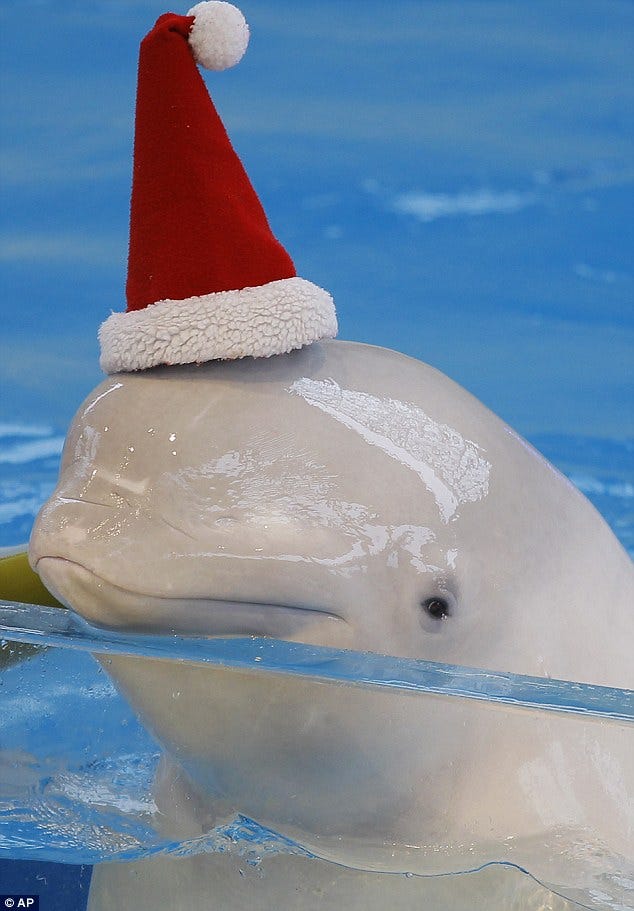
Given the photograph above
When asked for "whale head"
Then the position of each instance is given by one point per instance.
(347, 496)
(341, 495)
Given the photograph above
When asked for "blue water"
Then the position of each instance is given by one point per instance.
(82, 793)
(458, 174)
(78, 770)
(48, 626)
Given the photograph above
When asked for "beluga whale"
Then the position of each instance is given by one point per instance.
(349, 496)
(242, 473)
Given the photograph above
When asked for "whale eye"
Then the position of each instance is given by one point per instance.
(438, 608)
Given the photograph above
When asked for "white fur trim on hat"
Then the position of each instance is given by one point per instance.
(251, 322)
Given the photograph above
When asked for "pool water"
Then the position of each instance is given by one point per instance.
(81, 777)
(90, 791)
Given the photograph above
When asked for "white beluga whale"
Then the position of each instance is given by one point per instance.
(349, 496)
(341, 495)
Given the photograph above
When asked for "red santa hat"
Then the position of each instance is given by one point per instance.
(207, 279)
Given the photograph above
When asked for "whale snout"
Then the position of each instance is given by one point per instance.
(135, 566)
(104, 603)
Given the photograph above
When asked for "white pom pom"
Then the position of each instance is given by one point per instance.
(219, 36)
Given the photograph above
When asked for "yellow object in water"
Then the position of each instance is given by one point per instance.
(18, 582)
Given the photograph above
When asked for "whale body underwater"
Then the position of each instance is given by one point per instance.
(349, 496)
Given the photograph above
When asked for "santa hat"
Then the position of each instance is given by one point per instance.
(207, 279)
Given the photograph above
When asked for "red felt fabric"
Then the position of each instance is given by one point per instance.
(196, 223)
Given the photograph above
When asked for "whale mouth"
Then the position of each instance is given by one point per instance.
(106, 604)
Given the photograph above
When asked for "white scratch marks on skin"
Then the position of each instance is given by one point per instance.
(450, 467)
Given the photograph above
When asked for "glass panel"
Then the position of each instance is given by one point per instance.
(280, 756)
